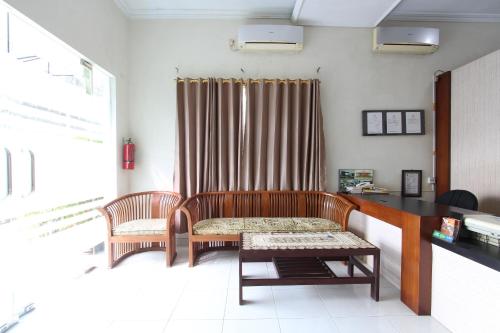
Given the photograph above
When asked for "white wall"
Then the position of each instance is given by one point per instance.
(98, 30)
(386, 237)
(475, 130)
(465, 294)
(353, 79)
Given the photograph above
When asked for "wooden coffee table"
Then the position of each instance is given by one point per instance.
(300, 258)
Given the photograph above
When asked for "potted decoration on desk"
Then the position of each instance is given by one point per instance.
(450, 228)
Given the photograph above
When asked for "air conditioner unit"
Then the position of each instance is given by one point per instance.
(271, 37)
(412, 40)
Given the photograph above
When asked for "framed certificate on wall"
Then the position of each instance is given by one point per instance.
(393, 122)
(414, 122)
(373, 123)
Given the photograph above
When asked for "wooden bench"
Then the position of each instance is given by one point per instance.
(230, 211)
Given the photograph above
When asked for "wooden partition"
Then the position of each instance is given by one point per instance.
(475, 130)
(443, 132)
(467, 131)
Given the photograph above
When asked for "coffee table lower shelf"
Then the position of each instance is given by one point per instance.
(308, 267)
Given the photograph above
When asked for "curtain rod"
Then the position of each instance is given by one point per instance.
(251, 81)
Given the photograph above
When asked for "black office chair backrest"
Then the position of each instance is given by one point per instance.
(459, 198)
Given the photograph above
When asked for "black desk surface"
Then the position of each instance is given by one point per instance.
(474, 250)
(414, 206)
(482, 253)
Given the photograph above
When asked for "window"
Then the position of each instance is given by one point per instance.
(55, 155)
(56, 120)
(3, 30)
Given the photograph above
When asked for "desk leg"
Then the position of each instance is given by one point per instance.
(375, 287)
(241, 278)
(416, 262)
(350, 267)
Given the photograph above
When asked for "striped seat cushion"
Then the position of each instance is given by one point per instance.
(141, 227)
(234, 226)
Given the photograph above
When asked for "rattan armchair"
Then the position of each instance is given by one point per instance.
(141, 222)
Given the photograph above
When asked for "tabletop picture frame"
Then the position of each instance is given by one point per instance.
(353, 177)
(411, 183)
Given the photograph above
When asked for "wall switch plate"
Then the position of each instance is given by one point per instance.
(431, 180)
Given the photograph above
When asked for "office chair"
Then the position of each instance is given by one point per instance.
(458, 198)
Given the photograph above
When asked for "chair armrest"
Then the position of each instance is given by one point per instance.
(142, 205)
(169, 205)
(107, 217)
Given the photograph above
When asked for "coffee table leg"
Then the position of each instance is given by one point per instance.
(350, 267)
(375, 286)
(241, 278)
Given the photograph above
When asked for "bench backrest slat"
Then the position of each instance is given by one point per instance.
(269, 204)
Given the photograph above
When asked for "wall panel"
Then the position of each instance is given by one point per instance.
(475, 130)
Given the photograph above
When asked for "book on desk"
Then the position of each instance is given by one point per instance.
(366, 188)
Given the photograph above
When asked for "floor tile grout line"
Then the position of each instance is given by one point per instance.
(396, 330)
(274, 298)
(274, 302)
(331, 317)
(225, 304)
(175, 306)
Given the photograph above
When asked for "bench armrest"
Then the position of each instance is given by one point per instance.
(203, 206)
(335, 208)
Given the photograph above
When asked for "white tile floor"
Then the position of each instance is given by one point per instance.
(142, 295)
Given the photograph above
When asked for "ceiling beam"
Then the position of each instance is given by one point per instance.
(296, 10)
(388, 12)
(123, 6)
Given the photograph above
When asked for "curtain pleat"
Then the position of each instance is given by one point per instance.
(208, 144)
(283, 145)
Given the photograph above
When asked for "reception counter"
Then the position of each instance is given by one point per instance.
(416, 219)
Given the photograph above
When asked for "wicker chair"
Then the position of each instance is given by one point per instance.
(141, 222)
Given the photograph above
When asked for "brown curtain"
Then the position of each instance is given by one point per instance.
(284, 145)
(209, 135)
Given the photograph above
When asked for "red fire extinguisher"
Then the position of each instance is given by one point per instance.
(128, 155)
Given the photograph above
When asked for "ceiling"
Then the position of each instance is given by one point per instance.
(207, 9)
(345, 13)
(448, 10)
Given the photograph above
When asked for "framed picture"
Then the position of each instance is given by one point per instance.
(393, 122)
(411, 183)
(353, 177)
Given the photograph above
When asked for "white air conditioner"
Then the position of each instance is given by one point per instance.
(271, 37)
(412, 40)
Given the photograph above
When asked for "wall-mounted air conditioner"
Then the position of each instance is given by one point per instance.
(271, 37)
(412, 40)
